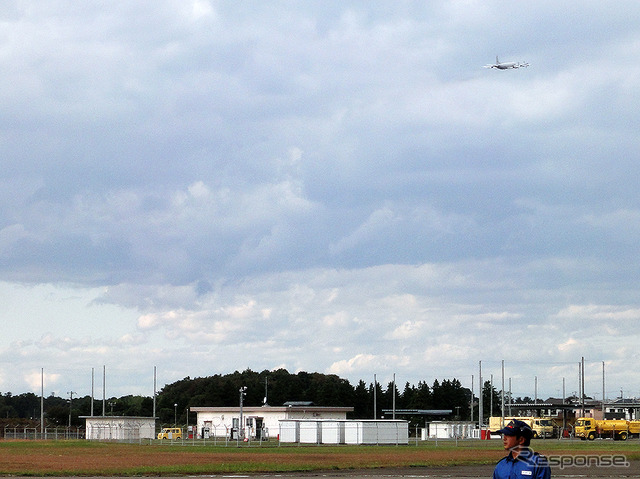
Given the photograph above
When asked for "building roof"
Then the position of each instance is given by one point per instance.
(298, 403)
(420, 412)
(249, 409)
(626, 402)
(118, 417)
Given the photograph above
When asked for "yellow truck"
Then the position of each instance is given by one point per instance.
(542, 427)
(172, 433)
(590, 428)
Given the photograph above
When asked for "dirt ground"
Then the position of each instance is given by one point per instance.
(120, 459)
(123, 460)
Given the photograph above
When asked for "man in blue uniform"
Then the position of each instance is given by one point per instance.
(521, 462)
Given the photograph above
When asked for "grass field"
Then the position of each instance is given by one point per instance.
(87, 458)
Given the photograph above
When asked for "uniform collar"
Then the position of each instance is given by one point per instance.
(525, 453)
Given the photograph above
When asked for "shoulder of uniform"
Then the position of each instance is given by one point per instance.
(541, 459)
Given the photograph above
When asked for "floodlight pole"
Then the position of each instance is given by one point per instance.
(243, 393)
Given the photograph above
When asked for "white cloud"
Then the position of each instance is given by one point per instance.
(360, 362)
(570, 345)
(38, 379)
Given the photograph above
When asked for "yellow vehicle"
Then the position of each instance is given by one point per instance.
(172, 433)
(589, 428)
(634, 428)
(542, 427)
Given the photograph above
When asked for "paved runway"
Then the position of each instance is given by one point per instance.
(453, 472)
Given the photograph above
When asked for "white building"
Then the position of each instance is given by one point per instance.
(448, 430)
(119, 428)
(627, 408)
(258, 422)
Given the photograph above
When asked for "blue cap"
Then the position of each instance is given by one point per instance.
(516, 428)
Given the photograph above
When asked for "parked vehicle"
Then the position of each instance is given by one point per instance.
(590, 428)
(171, 433)
(542, 427)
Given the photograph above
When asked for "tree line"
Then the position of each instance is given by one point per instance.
(266, 387)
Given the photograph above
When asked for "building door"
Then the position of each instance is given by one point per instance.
(259, 427)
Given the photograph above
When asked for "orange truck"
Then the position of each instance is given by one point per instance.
(618, 429)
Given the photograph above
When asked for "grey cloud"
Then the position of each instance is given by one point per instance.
(338, 163)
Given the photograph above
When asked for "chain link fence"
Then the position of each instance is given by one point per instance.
(35, 434)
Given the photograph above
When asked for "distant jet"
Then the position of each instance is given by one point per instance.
(506, 65)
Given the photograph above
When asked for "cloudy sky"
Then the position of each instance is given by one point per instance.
(336, 186)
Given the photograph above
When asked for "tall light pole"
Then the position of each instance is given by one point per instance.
(502, 398)
(42, 403)
(480, 396)
(175, 414)
(70, 393)
(243, 393)
(375, 403)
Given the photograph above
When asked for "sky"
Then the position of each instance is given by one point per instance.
(203, 186)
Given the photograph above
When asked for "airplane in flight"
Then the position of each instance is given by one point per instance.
(506, 65)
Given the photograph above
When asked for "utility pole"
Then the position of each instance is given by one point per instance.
(92, 385)
(243, 393)
(602, 389)
(70, 393)
(502, 393)
(154, 393)
(375, 391)
(582, 386)
(481, 387)
(564, 410)
(42, 403)
(393, 402)
(104, 387)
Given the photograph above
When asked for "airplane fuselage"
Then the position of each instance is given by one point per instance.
(507, 65)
